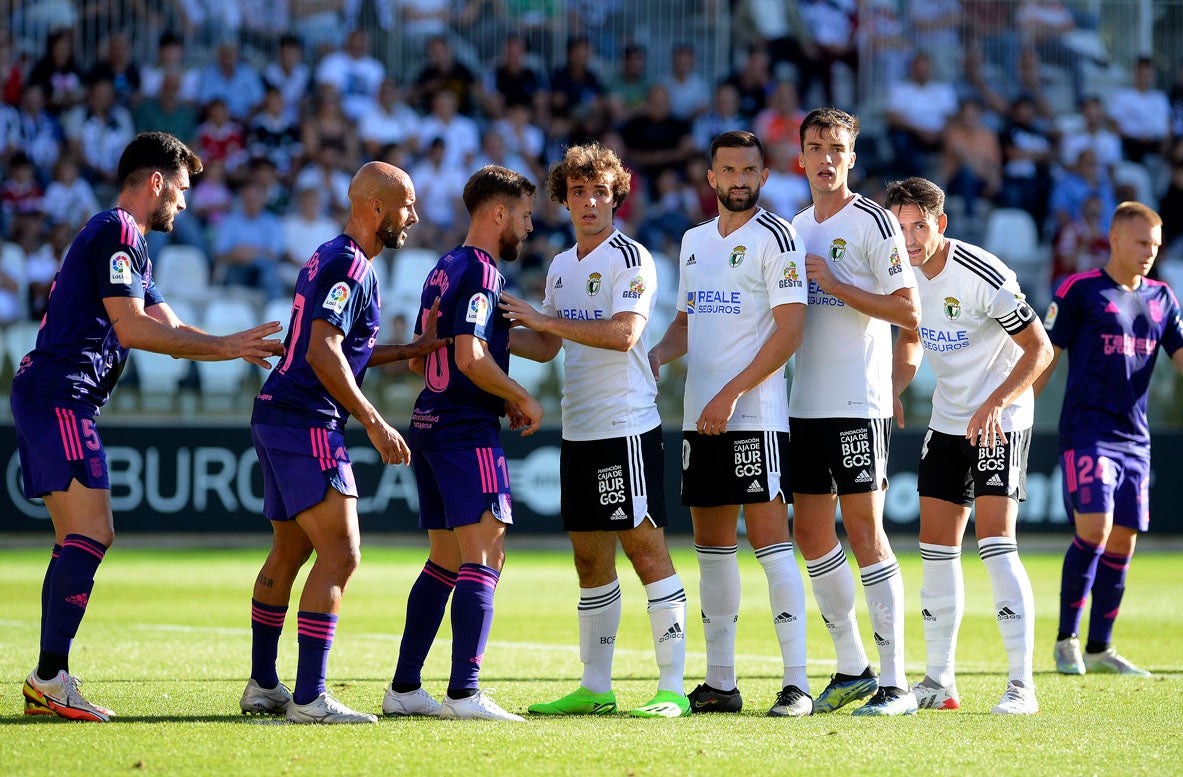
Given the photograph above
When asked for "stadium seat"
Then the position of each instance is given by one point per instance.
(12, 263)
(19, 339)
(1137, 177)
(279, 309)
(403, 284)
(182, 272)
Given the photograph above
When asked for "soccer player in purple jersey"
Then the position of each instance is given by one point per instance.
(1111, 321)
(309, 493)
(464, 498)
(103, 303)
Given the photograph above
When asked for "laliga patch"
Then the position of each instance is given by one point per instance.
(478, 310)
(121, 268)
(1049, 320)
(337, 298)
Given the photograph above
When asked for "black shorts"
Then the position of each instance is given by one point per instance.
(613, 484)
(839, 455)
(733, 468)
(955, 470)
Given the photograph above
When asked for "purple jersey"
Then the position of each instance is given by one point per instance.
(78, 358)
(451, 412)
(338, 285)
(1112, 336)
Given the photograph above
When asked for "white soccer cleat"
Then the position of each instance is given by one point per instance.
(476, 707)
(326, 709)
(1109, 662)
(931, 695)
(1016, 700)
(416, 702)
(257, 700)
(1067, 655)
(61, 696)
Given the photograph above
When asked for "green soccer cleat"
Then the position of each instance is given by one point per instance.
(581, 702)
(844, 689)
(666, 704)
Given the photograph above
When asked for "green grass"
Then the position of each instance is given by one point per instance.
(167, 645)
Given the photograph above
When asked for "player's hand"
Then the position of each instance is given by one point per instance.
(252, 345)
(817, 269)
(985, 428)
(520, 313)
(897, 410)
(428, 342)
(526, 416)
(517, 419)
(716, 414)
(389, 443)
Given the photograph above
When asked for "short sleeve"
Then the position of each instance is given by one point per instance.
(634, 288)
(1172, 335)
(1008, 306)
(119, 267)
(785, 279)
(548, 295)
(476, 300)
(340, 296)
(888, 259)
(682, 285)
(1062, 316)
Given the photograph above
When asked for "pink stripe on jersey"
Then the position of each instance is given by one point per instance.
(1070, 470)
(360, 266)
(91, 549)
(68, 426)
(1170, 291)
(128, 231)
(1071, 279)
(265, 617)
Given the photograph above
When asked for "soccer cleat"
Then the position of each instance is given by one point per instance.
(581, 702)
(257, 700)
(845, 688)
(61, 696)
(479, 706)
(931, 695)
(416, 702)
(1109, 662)
(889, 701)
(791, 702)
(704, 698)
(326, 709)
(666, 704)
(1016, 700)
(1068, 658)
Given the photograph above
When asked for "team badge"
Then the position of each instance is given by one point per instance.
(792, 277)
(894, 260)
(1156, 311)
(121, 268)
(837, 249)
(737, 256)
(593, 284)
(1050, 319)
(337, 297)
(478, 310)
(952, 308)
(637, 286)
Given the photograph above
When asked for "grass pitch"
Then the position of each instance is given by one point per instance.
(167, 645)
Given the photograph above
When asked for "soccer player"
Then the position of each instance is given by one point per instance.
(741, 307)
(598, 297)
(986, 347)
(460, 469)
(840, 408)
(1111, 321)
(298, 423)
(103, 303)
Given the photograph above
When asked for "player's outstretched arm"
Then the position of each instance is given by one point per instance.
(619, 333)
(136, 328)
(673, 344)
(905, 360)
(985, 427)
(421, 346)
(901, 307)
(327, 360)
(475, 361)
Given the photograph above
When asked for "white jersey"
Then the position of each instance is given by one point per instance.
(843, 367)
(967, 316)
(606, 393)
(728, 286)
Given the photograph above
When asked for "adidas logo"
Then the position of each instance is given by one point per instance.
(78, 600)
(829, 625)
(785, 617)
(926, 615)
(675, 632)
(880, 641)
(619, 515)
(1007, 614)
(994, 480)
(863, 477)
(755, 488)
(690, 261)
(559, 282)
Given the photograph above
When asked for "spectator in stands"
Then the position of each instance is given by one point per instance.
(626, 92)
(460, 133)
(690, 94)
(248, 244)
(1141, 114)
(1081, 243)
(354, 74)
(275, 134)
(934, 27)
(328, 126)
(495, 151)
(1171, 210)
(304, 228)
(577, 94)
(1083, 180)
(786, 191)
(696, 176)
(165, 111)
(442, 72)
(220, 138)
(12, 294)
(1027, 155)
(780, 122)
(229, 79)
(971, 157)
(439, 184)
(327, 172)
(982, 80)
(12, 70)
(831, 27)
(753, 81)
(513, 82)
(210, 199)
(20, 192)
(39, 135)
(918, 111)
(101, 137)
(119, 67)
(1094, 135)
(290, 75)
(57, 74)
(170, 58)
(423, 20)
(390, 120)
(42, 265)
(884, 40)
(723, 116)
(1035, 83)
(656, 141)
(522, 136)
(673, 211)
(1045, 25)
(69, 199)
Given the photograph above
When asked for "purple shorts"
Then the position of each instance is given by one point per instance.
(1105, 480)
(299, 466)
(57, 445)
(457, 487)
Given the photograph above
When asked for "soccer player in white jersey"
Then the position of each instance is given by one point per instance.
(986, 347)
(599, 294)
(840, 409)
(741, 293)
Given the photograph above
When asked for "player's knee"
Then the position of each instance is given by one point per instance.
(1092, 534)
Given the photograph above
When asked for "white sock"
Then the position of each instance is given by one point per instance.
(833, 588)
(599, 620)
(942, 602)
(884, 588)
(718, 590)
(667, 619)
(786, 594)
(1014, 604)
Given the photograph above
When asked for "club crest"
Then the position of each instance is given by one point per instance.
(593, 284)
(837, 249)
(737, 256)
(952, 308)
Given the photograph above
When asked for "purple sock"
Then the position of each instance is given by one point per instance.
(425, 612)
(1107, 592)
(266, 626)
(472, 617)
(1080, 568)
(315, 637)
(70, 587)
(47, 585)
